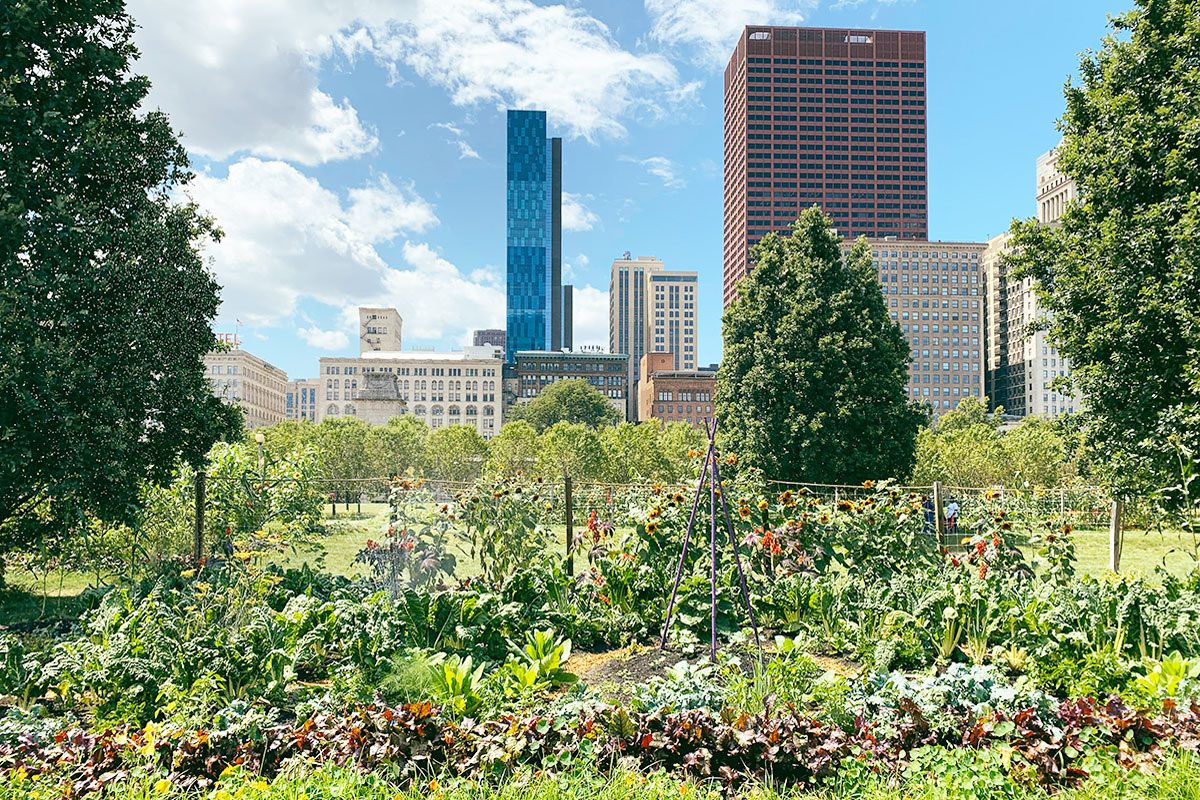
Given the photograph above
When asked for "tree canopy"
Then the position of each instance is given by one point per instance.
(569, 400)
(1121, 275)
(812, 384)
(105, 302)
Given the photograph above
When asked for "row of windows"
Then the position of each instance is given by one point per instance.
(684, 410)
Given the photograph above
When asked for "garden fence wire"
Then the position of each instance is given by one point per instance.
(1082, 508)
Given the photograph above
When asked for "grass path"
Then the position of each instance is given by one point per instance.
(33, 598)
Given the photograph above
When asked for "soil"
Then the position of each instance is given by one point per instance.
(615, 672)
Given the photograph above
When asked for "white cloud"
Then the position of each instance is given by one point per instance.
(288, 237)
(662, 168)
(518, 54)
(589, 312)
(572, 269)
(712, 27)
(457, 138)
(241, 77)
(575, 215)
(324, 340)
(437, 300)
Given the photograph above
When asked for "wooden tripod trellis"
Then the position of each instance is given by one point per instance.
(711, 473)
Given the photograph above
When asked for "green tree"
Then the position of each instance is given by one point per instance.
(398, 447)
(970, 455)
(105, 303)
(345, 457)
(1036, 452)
(634, 453)
(812, 383)
(456, 453)
(570, 448)
(514, 449)
(970, 411)
(679, 439)
(289, 436)
(1121, 275)
(569, 400)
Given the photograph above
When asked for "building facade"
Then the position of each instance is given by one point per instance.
(493, 337)
(538, 305)
(379, 330)
(534, 370)
(301, 398)
(439, 389)
(258, 387)
(674, 395)
(651, 310)
(935, 292)
(827, 117)
(1023, 363)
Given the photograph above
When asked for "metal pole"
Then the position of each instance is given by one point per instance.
(737, 559)
(938, 527)
(687, 536)
(712, 548)
(198, 532)
(1114, 536)
(570, 511)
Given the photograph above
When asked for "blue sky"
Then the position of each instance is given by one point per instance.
(353, 150)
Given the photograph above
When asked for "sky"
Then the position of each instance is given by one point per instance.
(353, 151)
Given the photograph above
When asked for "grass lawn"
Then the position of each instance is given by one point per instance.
(31, 598)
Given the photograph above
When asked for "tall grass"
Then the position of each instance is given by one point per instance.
(1177, 777)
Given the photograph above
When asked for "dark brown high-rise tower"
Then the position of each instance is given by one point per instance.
(831, 117)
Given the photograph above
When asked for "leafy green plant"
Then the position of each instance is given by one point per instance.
(456, 682)
(538, 664)
(1171, 676)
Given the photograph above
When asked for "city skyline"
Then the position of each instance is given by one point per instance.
(353, 166)
(828, 117)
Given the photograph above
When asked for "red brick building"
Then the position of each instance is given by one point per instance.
(831, 117)
(674, 395)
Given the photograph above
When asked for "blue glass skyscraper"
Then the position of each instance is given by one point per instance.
(538, 305)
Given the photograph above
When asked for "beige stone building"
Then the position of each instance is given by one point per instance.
(301, 399)
(935, 292)
(379, 330)
(608, 373)
(258, 387)
(674, 395)
(439, 389)
(1023, 364)
(651, 310)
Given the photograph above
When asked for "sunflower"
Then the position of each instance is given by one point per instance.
(763, 505)
(651, 528)
(744, 511)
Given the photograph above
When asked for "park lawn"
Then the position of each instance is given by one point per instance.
(1141, 553)
(32, 598)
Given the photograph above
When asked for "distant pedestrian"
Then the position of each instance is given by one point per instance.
(952, 517)
(930, 520)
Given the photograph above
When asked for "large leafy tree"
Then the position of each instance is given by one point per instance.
(105, 303)
(456, 453)
(812, 382)
(514, 449)
(1121, 274)
(569, 400)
